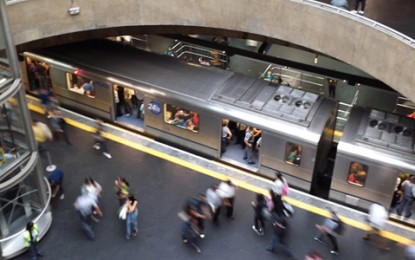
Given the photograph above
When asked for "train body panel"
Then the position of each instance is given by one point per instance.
(186, 104)
(369, 161)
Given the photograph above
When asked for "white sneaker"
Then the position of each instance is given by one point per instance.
(62, 196)
(96, 147)
(354, 12)
(107, 155)
(361, 12)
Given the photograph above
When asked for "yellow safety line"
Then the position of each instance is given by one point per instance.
(245, 185)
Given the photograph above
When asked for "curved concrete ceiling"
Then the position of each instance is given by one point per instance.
(340, 36)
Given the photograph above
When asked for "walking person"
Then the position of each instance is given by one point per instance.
(59, 125)
(279, 237)
(190, 233)
(85, 205)
(377, 219)
(259, 221)
(132, 216)
(93, 189)
(227, 191)
(122, 190)
(329, 228)
(407, 197)
(215, 202)
(42, 135)
(31, 238)
(280, 185)
(100, 140)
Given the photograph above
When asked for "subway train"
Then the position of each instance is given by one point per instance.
(187, 105)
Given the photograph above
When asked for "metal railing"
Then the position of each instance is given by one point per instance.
(194, 54)
(364, 20)
(403, 103)
(297, 79)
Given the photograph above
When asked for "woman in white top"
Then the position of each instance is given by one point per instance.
(227, 190)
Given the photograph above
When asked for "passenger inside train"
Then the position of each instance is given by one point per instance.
(293, 154)
(357, 174)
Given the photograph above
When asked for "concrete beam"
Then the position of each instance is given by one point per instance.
(340, 36)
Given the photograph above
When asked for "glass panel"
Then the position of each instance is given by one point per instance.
(80, 84)
(180, 117)
(20, 204)
(293, 154)
(357, 174)
(13, 138)
(5, 71)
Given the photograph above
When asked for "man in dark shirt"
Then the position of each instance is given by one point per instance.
(55, 179)
(279, 237)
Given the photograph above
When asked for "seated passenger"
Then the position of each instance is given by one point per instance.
(269, 76)
(170, 52)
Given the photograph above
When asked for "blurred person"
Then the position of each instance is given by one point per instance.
(269, 76)
(55, 180)
(377, 219)
(240, 134)
(249, 141)
(340, 4)
(215, 202)
(279, 237)
(258, 144)
(190, 233)
(31, 239)
(227, 191)
(313, 255)
(407, 197)
(259, 222)
(197, 210)
(100, 140)
(88, 88)
(132, 216)
(128, 106)
(280, 185)
(45, 97)
(59, 125)
(122, 190)
(85, 205)
(332, 87)
(329, 229)
(42, 134)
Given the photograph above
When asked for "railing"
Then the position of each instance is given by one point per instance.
(378, 26)
(403, 103)
(343, 113)
(297, 79)
(198, 55)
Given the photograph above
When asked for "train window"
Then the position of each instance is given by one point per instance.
(357, 174)
(81, 85)
(181, 117)
(293, 153)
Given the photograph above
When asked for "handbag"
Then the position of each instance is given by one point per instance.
(123, 213)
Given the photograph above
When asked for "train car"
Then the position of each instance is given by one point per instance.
(186, 105)
(374, 155)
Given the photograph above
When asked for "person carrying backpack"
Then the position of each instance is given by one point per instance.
(331, 227)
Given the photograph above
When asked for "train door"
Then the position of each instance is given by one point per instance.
(37, 76)
(128, 107)
(398, 198)
(233, 146)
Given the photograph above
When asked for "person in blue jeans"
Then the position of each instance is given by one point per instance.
(279, 237)
(132, 215)
(407, 197)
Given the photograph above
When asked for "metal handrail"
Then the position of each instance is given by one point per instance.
(49, 191)
(178, 48)
(376, 25)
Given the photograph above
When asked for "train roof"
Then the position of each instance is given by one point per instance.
(379, 131)
(195, 81)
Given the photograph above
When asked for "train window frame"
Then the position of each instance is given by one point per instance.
(169, 118)
(361, 167)
(71, 84)
(296, 161)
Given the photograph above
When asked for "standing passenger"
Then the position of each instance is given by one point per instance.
(249, 141)
(226, 136)
(407, 197)
(356, 7)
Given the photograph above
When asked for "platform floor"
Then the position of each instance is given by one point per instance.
(162, 187)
